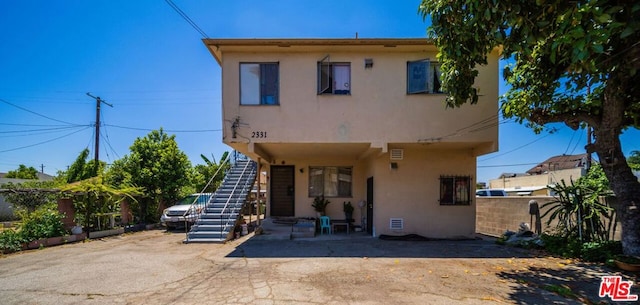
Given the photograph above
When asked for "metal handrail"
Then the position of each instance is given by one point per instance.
(233, 191)
(192, 207)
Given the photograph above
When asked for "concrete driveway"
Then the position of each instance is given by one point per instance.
(155, 267)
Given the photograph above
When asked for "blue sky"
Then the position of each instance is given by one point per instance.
(150, 64)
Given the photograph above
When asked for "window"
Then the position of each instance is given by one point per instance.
(330, 181)
(454, 190)
(423, 76)
(259, 84)
(334, 78)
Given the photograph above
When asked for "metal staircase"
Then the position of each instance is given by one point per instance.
(217, 221)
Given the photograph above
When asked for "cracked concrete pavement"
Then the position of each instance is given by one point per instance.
(155, 267)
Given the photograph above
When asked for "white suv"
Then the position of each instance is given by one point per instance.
(490, 192)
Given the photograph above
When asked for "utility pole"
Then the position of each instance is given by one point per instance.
(42, 168)
(97, 148)
(588, 134)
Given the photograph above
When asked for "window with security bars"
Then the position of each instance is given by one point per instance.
(455, 190)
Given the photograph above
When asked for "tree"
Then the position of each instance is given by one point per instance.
(206, 173)
(157, 165)
(81, 169)
(574, 62)
(23, 172)
(634, 160)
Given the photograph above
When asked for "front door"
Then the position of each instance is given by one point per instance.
(370, 205)
(282, 191)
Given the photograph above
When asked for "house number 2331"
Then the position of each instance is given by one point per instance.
(258, 134)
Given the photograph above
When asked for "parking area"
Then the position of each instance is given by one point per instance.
(155, 267)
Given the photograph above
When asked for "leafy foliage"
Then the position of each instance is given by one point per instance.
(320, 204)
(81, 169)
(574, 62)
(205, 174)
(44, 222)
(578, 210)
(23, 172)
(92, 196)
(157, 165)
(634, 160)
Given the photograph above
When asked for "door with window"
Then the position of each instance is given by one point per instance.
(282, 191)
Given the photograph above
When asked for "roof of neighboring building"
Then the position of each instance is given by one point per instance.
(41, 176)
(303, 44)
(559, 163)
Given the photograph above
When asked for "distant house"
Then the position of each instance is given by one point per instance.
(359, 120)
(549, 172)
(6, 210)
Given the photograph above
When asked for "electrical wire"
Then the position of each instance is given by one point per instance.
(186, 18)
(167, 130)
(44, 142)
(517, 148)
(38, 114)
(570, 140)
(507, 165)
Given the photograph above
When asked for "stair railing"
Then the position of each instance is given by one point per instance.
(242, 177)
(195, 208)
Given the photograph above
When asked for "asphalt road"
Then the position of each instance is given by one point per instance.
(155, 267)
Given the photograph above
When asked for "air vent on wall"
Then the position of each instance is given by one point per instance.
(396, 154)
(396, 223)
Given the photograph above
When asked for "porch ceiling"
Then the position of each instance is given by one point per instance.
(314, 150)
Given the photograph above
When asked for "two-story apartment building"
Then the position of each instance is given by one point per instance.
(360, 120)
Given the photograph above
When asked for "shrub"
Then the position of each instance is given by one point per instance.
(42, 223)
(11, 240)
(566, 246)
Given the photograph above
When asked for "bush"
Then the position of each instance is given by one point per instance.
(566, 246)
(42, 223)
(11, 240)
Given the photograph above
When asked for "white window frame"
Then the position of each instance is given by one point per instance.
(330, 181)
(255, 87)
(332, 78)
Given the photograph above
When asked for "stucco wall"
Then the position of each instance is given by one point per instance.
(495, 215)
(377, 110)
(538, 180)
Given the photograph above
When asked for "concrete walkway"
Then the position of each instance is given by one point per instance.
(155, 267)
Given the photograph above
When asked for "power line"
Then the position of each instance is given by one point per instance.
(186, 18)
(44, 142)
(507, 165)
(40, 129)
(167, 130)
(517, 148)
(38, 114)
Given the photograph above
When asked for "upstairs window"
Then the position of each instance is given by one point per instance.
(330, 181)
(259, 84)
(454, 190)
(423, 76)
(334, 78)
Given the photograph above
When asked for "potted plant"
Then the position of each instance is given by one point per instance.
(320, 205)
(347, 207)
(627, 262)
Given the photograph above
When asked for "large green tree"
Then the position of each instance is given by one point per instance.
(574, 62)
(23, 172)
(157, 165)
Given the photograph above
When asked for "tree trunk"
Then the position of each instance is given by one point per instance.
(623, 183)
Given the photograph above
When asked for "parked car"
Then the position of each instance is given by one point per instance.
(176, 215)
(490, 192)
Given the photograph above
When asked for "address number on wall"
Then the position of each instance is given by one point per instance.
(259, 134)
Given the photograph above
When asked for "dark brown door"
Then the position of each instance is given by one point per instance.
(282, 191)
(370, 205)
